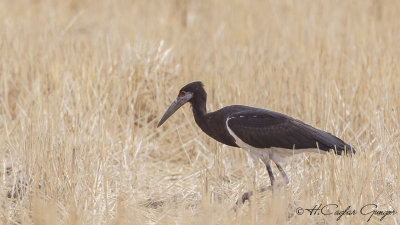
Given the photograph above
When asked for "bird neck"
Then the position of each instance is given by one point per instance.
(198, 103)
(199, 111)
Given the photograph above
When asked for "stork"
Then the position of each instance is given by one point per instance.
(264, 134)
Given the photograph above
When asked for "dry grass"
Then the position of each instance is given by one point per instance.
(83, 84)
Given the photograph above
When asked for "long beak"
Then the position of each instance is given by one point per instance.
(176, 104)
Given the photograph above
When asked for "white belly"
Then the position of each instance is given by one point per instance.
(278, 155)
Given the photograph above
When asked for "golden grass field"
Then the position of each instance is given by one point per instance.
(84, 83)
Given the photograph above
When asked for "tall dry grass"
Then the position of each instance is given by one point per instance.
(83, 84)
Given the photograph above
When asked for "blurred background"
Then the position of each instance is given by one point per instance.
(84, 83)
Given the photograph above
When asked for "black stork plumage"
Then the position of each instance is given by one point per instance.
(265, 134)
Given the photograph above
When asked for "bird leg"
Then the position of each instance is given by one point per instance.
(285, 177)
(247, 195)
(271, 175)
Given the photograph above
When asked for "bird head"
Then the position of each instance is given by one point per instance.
(185, 95)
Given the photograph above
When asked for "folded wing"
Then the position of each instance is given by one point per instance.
(266, 129)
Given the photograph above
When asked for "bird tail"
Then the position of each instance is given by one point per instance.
(344, 149)
(329, 142)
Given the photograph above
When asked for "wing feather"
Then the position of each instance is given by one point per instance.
(266, 129)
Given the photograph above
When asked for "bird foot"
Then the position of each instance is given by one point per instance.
(246, 196)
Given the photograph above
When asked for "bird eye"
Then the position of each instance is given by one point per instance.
(181, 94)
